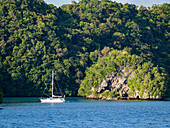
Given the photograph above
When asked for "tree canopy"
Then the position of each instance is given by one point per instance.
(36, 38)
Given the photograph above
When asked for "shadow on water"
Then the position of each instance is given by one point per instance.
(21, 100)
(8, 100)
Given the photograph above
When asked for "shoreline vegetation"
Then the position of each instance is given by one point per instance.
(94, 47)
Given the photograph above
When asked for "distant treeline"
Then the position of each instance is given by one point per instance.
(36, 38)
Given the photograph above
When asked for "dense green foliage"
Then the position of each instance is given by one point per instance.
(149, 80)
(36, 38)
(146, 77)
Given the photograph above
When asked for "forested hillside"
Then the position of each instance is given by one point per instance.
(36, 38)
(119, 74)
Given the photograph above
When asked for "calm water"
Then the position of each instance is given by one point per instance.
(81, 113)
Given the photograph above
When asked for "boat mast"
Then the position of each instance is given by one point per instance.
(52, 81)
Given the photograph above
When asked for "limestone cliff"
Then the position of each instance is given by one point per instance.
(117, 82)
(122, 75)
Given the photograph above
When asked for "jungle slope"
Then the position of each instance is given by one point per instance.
(36, 38)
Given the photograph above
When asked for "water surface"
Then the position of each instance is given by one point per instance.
(82, 113)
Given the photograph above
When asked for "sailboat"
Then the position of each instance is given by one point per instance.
(53, 98)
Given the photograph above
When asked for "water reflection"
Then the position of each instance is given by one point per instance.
(52, 104)
(36, 99)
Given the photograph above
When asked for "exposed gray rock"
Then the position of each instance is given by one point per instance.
(92, 96)
(104, 98)
(116, 82)
(103, 86)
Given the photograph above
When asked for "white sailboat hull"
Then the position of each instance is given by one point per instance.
(53, 100)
